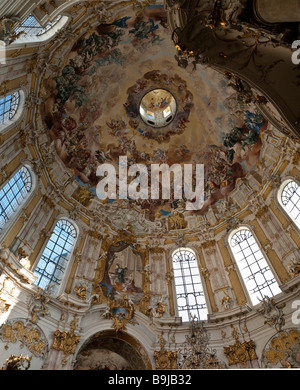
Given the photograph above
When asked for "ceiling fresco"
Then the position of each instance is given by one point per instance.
(104, 352)
(92, 110)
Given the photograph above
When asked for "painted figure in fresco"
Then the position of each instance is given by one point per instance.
(162, 103)
(89, 130)
(120, 272)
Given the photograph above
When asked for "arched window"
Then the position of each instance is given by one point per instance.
(31, 31)
(188, 285)
(254, 269)
(53, 262)
(31, 27)
(13, 195)
(289, 198)
(8, 107)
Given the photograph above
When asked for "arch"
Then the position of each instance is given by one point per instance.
(31, 30)
(11, 108)
(26, 334)
(282, 350)
(190, 295)
(253, 267)
(113, 350)
(288, 197)
(14, 194)
(53, 262)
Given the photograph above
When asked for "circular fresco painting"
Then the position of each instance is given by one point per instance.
(101, 106)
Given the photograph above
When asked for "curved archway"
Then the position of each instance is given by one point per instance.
(107, 350)
(288, 197)
(31, 30)
(11, 108)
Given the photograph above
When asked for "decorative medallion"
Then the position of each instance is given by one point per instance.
(165, 359)
(66, 341)
(26, 333)
(282, 350)
(157, 108)
(240, 352)
(273, 313)
(121, 312)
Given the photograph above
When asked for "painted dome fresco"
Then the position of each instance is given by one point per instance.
(121, 91)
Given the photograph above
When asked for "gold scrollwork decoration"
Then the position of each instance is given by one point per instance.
(26, 333)
(17, 363)
(66, 341)
(164, 359)
(121, 312)
(282, 351)
(240, 352)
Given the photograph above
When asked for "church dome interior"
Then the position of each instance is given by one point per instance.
(149, 185)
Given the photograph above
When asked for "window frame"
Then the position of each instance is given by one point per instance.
(279, 192)
(70, 259)
(203, 291)
(6, 227)
(7, 125)
(237, 267)
(47, 35)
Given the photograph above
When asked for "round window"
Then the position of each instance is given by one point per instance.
(158, 108)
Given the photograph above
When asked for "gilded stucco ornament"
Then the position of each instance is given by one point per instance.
(80, 291)
(160, 308)
(157, 307)
(226, 302)
(121, 312)
(165, 359)
(84, 196)
(273, 313)
(296, 157)
(240, 352)
(177, 221)
(38, 306)
(294, 267)
(4, 307)
(27, 334)
(145, 303)
(4, 289)
(7, 33)
(282, 350)
(17, 363)
(66, 341)
(23, 258)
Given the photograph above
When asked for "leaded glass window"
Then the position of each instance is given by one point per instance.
(13, 194)
(8, 107)
(31, 27)
(53, 262)
(189, 291)
(254, 269)
(290, 198)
